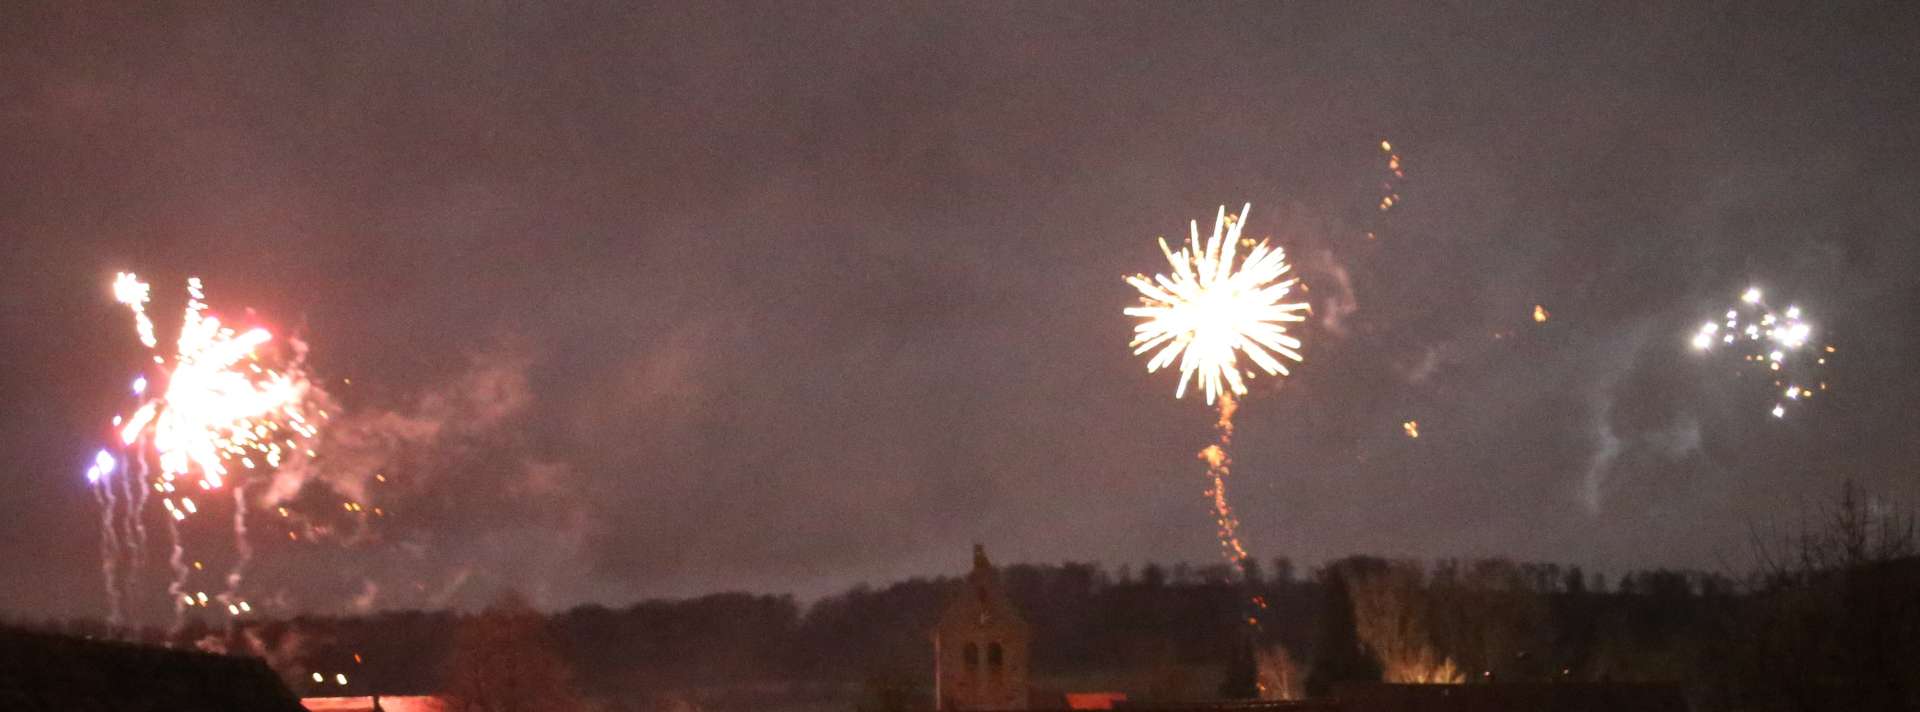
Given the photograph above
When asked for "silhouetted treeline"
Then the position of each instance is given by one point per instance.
(1829, 619)
(1142, 630)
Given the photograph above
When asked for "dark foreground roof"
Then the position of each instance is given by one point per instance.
(1501, 697)
(50, 673)
(1511, 697)
(1325, 705)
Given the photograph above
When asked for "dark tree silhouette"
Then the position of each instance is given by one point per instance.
(1250, 568)
(504, 661)
(1170, 643)
(1834, 621)
(1153, 576)
(1282, 570)
(1243, 672)
(892, 691)
(1340, 656)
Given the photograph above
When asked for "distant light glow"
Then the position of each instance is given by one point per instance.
(1704, 339)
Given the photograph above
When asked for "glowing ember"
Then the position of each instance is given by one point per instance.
(1389, 192)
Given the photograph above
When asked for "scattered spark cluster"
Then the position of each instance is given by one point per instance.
(1773, 341)
(1389, 188)
(219, 400)
(1214, 308)
(1412, 429)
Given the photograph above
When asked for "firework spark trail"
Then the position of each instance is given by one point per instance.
(1389, 191)
(133, 492)
(1390, 194)
(129, 290)
(99, 476)
(243, 549)
(177, 562)
(1209, 313)
(137, 548)
(218, 405)
(1763, 336)
(1219, 465)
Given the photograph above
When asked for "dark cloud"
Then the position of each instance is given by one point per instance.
(644, 300)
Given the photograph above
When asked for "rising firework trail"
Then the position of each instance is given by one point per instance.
(1215, 308)
(218, 401)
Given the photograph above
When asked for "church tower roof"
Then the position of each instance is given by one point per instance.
(982, 603)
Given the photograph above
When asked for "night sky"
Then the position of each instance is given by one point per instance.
(655, 301)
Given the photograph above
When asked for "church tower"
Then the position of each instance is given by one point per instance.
(980, 646)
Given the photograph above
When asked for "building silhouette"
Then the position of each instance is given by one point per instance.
(980, 646)
(44, 672)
